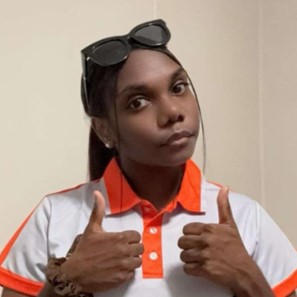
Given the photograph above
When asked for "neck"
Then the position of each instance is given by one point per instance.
(157, 184)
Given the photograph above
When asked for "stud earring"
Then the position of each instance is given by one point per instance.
(108, 144)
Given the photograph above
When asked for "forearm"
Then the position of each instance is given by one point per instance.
(48, 291)
(251, 282)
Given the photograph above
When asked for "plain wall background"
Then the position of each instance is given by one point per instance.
(241, 56)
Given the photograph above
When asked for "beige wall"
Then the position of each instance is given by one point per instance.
(278, 97)
(240, 54)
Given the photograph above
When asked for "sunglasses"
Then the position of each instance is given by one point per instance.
(113, 50)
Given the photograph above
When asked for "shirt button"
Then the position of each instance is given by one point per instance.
(153, 256)
(153, 230)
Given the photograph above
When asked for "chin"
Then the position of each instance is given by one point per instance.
(177, 159)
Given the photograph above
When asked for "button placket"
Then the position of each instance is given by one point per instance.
(152, 258)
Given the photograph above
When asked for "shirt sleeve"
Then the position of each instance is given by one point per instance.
(275, 255)
(24, 258)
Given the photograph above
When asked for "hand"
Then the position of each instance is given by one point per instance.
(216, 252)
(103, 260)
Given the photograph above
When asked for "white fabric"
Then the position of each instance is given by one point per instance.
(55, 223)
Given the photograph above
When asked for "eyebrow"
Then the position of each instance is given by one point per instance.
(141, 87)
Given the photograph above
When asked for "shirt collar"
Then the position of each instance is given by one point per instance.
(122, 198)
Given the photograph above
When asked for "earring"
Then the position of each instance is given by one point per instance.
(108, 144)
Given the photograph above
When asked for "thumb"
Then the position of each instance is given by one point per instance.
(97, 215)
(224, 208)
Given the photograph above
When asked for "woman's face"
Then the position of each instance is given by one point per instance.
(157, 114)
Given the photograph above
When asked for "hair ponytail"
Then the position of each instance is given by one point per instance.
(102, 86)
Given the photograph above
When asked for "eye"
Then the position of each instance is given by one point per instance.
(180, 87)
(138, 103)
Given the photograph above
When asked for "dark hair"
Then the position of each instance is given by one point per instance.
(102, 83)
(101, 91)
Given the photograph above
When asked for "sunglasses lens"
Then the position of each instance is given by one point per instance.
(153, 35)
(110, 53)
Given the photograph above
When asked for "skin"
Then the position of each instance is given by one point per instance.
(151, 106)
(154, 102)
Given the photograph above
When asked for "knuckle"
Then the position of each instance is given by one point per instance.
(122, 276)
(188, 268)
(140, 249)
(120, 237)
(136, 235)
(188, 229)
(183, 256)
(211, 241)
(205, 256)
(122, 250)
(125, 264)
(180, 242)
(207, 266)
(205, 241)
(209, 228)
(130, 275)
(137, 262)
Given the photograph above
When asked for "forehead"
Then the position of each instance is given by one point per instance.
(144, 67)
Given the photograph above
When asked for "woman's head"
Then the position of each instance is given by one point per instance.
(141, 108)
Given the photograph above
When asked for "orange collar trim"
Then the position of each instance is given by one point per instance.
(122, 198)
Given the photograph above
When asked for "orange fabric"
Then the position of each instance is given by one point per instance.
(8, 246)
(19, 284)
(152, 241)
(69, 189)
(11, 280)
(287, 286)
(122, 198)
(118, 187)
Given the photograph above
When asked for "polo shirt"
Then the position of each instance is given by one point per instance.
(52, 226)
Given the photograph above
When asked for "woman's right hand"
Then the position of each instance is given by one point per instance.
(103, 260)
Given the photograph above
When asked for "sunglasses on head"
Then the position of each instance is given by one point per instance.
(113, 50)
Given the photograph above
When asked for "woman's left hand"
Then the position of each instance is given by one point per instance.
(216, 252)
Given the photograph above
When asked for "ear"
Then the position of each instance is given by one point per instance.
(103, 130)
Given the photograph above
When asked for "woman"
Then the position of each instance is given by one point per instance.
(149, 222)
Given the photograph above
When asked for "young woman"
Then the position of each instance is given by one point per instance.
(148, 223)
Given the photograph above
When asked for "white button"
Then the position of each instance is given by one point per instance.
(153, 256)
(153, 230)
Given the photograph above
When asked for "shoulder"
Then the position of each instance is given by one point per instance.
(74, 195)
(238, 201)
(245, 210)
(70, 202)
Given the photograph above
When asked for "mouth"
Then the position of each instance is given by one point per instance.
(178, 138)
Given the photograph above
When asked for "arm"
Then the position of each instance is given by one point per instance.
(217, 253)
(10, 293)
(86, 268)
(47, 291)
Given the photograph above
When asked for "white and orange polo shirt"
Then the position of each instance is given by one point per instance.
(51, 228)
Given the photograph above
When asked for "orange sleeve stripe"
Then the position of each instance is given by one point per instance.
(8, 246)
(19, 284)
(216, 184)
(287, 286)
(71, 189)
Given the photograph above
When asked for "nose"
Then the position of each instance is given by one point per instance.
(169, 112)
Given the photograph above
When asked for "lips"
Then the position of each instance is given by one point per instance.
(178, 137)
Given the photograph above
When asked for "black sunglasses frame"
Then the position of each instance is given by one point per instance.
(87, 53)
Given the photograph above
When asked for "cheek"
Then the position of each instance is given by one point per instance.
(136, 131)
(193, 112)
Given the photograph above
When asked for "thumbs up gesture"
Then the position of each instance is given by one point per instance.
(103, 260)
(216, 252)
